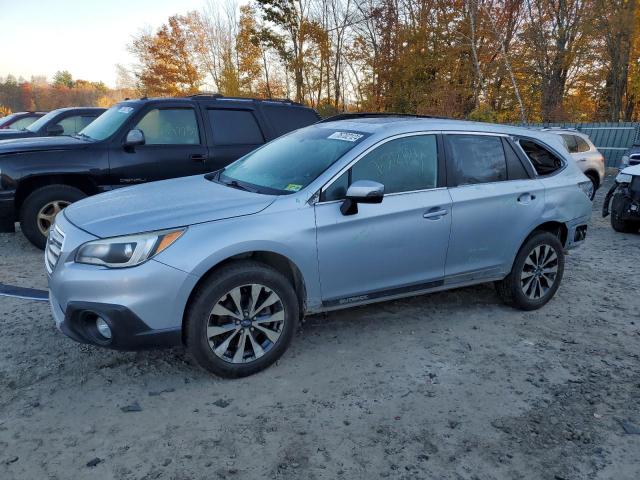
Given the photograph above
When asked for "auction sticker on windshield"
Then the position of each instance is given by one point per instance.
(125, 109)
(346, 136)
(293, 187)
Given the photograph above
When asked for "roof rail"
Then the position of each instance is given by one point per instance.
(245, 99)
(206, 94)
(356, 115)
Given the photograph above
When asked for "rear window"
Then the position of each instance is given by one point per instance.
(283, 119)
(582, 145)
(235, 127)
(476, 159)
(544, 161)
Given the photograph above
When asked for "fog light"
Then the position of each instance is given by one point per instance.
(103, 328)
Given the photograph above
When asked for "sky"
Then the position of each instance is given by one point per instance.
(86, 37)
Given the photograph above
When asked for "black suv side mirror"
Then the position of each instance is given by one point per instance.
(361, 191)
(134, 138)
(55, 130)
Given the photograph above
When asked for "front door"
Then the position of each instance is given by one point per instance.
(174, 147)
(394, 247)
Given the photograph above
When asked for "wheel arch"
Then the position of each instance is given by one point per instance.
(593, 175)
(557, 228)
(31, 184)
(277, 261)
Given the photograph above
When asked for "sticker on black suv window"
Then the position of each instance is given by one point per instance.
(345, 136)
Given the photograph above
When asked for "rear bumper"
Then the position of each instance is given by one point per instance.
(576, 232)
(7, 212)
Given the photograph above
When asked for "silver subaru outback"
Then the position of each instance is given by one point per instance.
(346, 212)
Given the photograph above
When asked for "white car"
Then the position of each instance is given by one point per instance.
(585, 153)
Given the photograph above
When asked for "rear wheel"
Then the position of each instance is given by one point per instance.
(617, 209)
(241, 320)
(536, 273)
(40, 208)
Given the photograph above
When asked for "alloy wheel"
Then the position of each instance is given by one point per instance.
(245, 323)
(539, 271)
(47, 215)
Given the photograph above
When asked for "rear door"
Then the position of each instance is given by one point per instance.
(233, 132)
(495, 204)
(174, 145)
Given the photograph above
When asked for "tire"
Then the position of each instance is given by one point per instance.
(49, 201)
(618, 224)
(513, 289)
(596, 184)
(209, 310)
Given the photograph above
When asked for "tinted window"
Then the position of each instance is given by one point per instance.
(170, 126)
(582, 145)
(570, 140)
(515, 169)
(402, 165)
(285, 119)
(235, 127)
(476, 159)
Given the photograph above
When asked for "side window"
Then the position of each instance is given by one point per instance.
(582, 146)
(170, 126)
(284, 119)
(235, 127)
(570, 140)
(70, 125)
(476, 159)
(542, 159)
(401, 165)
(22, 123)
(515, 169)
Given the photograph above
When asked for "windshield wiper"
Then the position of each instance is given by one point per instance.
(82, 135)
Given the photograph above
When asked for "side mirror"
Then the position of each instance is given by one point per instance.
(55, 130)
(134, 138)
(361, 191)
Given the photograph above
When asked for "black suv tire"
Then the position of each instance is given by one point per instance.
(511, 289)
(239, 276)
(38, 200)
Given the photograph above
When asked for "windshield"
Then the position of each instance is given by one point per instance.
(106, 124)
(292, 162)
(39, 123)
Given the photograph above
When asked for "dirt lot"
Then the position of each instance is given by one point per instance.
(448, 386)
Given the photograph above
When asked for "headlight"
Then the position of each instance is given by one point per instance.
(625, 160)
(624, 178)
(119, 252)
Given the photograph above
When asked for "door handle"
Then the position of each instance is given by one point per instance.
(526, 198)
(434, 214)
(582, 159)
(197, 157)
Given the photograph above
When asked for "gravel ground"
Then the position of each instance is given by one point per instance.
(452, 385)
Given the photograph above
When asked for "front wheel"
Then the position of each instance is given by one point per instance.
(39, 210)
(617, 211)
(241, 320)
(536, 273)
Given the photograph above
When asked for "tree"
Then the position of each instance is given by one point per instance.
(63, 79)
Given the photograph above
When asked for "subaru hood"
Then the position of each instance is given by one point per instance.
(162, 205)
(39, 144)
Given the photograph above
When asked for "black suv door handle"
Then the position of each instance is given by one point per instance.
(198, 157)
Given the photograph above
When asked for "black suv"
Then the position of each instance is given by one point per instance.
(63, 121)
(135, 141)
(19, 120)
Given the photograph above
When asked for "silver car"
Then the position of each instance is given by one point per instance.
(347, 212)
(586, 155)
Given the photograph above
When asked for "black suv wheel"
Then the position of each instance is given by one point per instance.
(40, 208)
